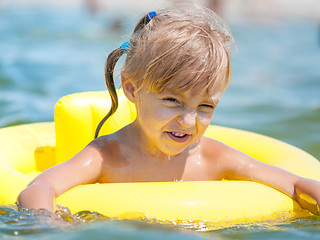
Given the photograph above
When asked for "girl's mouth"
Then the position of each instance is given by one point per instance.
(178, 137)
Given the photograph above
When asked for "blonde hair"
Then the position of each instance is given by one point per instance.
(185, 39)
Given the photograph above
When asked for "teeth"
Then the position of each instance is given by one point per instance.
(178, 134)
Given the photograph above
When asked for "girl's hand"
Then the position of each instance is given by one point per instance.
(307, 194)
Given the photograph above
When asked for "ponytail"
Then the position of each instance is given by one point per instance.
(109, 68)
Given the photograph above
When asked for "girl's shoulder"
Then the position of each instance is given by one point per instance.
(214, 150)
(213, 147)
(230, 161)
(106, 143)
(111, 145)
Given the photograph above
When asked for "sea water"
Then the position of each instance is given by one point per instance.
(46, 53)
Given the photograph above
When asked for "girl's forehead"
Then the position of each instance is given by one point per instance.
(185, 82)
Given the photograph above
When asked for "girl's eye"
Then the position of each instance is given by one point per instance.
(207, 107)
(173, 100)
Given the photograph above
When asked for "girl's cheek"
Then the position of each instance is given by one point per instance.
(205, 119)
(165, 113)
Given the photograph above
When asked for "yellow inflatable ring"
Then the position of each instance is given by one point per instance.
(27, 150)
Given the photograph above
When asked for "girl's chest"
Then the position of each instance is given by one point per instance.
(170, 170)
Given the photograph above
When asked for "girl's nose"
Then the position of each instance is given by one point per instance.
(188, 119)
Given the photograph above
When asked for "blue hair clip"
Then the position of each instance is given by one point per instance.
(151, 15)
(125, 46)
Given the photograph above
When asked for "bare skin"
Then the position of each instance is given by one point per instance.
(170, 124)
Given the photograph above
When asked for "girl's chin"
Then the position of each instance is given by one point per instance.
(174, 152)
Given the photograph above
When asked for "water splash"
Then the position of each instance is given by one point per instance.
(41, 224)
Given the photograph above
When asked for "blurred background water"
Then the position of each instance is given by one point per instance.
(50, 50)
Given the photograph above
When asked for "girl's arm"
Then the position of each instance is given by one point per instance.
(85, 167)
(242, 167)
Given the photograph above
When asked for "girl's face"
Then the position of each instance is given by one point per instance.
(172, 121)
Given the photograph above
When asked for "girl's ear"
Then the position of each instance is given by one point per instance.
(128, 87)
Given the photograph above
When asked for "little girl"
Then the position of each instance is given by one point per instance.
(177, 67)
